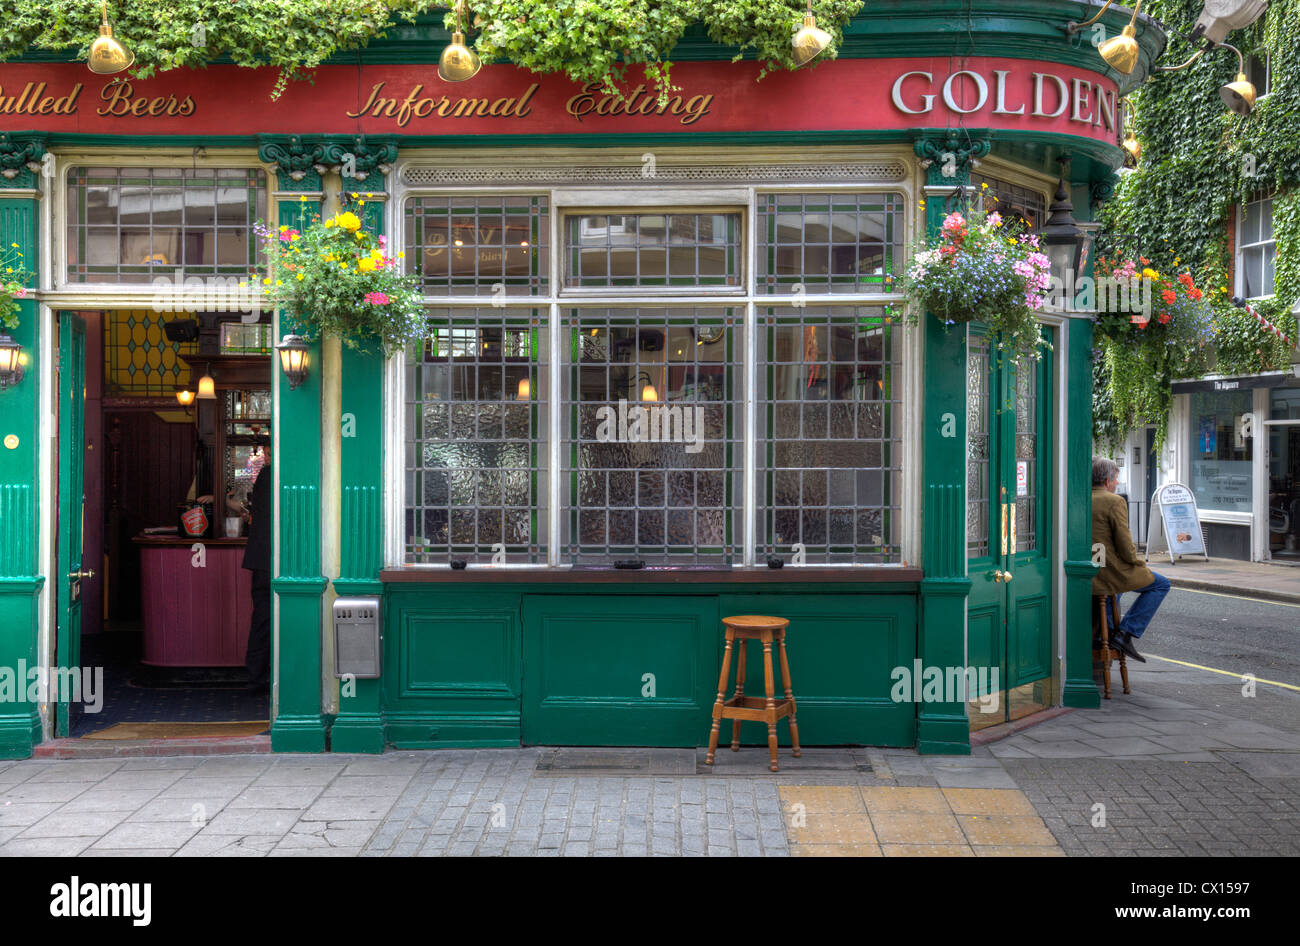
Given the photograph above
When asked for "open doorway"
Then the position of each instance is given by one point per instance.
(154, 517)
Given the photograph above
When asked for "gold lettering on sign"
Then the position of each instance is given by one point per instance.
(120, 101)
(414, 106)
(33, 101)
(637, 102)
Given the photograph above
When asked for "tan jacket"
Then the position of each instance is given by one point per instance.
(1123, 570)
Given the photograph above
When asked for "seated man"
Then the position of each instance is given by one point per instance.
(1121, 571)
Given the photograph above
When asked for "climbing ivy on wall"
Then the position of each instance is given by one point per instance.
(590, 40)
(1199, 162)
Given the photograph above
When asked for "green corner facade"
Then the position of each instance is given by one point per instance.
(556, 658)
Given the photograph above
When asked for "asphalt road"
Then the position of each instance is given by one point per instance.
(1237, 635)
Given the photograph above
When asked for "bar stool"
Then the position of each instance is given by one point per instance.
(741, 629)
(1102, 650)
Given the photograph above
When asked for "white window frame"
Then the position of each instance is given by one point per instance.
(1267, 89)
(567, 200)
(1239, 275)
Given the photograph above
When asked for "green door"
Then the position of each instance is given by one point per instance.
(72, 505)
(1010, 488)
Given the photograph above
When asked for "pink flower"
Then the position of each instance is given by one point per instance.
(21, 293)
(954, 222)
(377, 298)
(383, 241)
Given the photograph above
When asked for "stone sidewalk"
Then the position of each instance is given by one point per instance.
(1272, 582)
(1140, 775)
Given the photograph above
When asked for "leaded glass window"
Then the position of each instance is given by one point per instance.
(476, 415)
(651, 464)
(606, 251)
(473, 245)
(829, 243)
(131, 225)
(830, 449)
(1026, 455)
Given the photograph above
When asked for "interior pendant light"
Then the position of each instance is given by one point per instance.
(648, 392)
(1239, 94)
(524, 392)
(185, 398)
(810, 41)
(107, 55)
(207, 388)
(458, 62)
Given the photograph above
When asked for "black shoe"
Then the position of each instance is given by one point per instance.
(1125, 643)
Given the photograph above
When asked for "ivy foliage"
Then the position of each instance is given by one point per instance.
(1199, 163)
(589, 40)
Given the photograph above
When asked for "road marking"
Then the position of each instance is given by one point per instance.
(1226, 673)
(1198, 591)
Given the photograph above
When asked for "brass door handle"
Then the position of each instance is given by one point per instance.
(85, 574)
(1001, 576)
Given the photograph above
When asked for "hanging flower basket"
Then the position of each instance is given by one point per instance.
(982, 269)
(14, 278)
(339, 281)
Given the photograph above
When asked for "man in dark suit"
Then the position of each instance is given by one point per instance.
(1121, 571)
(257, 559)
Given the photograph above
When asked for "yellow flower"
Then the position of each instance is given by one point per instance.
(266, 282)
(349, 221)
(14, 245)
(278, 283)
(302, 199)
(329, 223)
(401, 255)
(294, 236)
(284, 228)
(355, 195)
(366, 265)
(9, 269)
(1150, 273)
(300, 277)
(984, 186)
(362, 204)
(343, 265)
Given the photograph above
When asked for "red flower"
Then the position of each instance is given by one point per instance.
(1186, 280)
(1169, 297)
(1196, 294)
(1164, 318)
(1144, 261)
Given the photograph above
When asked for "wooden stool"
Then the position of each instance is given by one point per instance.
(1105, 653)
(743, 628)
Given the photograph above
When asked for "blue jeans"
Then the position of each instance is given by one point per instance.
(1139, 615)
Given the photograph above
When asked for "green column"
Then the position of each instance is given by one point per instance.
(20, 487)
(298, 583)
(1077, 687)
(944, 728)
(359, 726)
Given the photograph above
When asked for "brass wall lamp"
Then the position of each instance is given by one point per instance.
(810, 41)
(458, 62)
(107, 55)
(1239, 94)
(1120, 52)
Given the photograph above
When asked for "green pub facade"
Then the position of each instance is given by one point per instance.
(667, 333)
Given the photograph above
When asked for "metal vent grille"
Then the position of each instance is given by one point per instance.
(869, 172)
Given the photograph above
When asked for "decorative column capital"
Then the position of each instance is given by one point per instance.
(949, 158)
(1103, 190)
(302, 159)
(20, 160)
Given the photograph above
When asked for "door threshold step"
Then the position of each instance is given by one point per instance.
(140, 748)
(982, 737)
(751, 760)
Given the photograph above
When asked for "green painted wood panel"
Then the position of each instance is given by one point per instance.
(21, 494)
(842, 652)
(628, 671)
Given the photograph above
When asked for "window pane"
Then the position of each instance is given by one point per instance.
(829, 447)
(125, 223)
(469, 245)
(475, 464)
(829, 242)
(652, 250)
(651, 454)
(1250, 224)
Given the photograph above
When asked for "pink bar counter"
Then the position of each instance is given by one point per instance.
(194, 617)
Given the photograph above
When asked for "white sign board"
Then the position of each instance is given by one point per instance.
(1022, 477)
(1174, 525)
